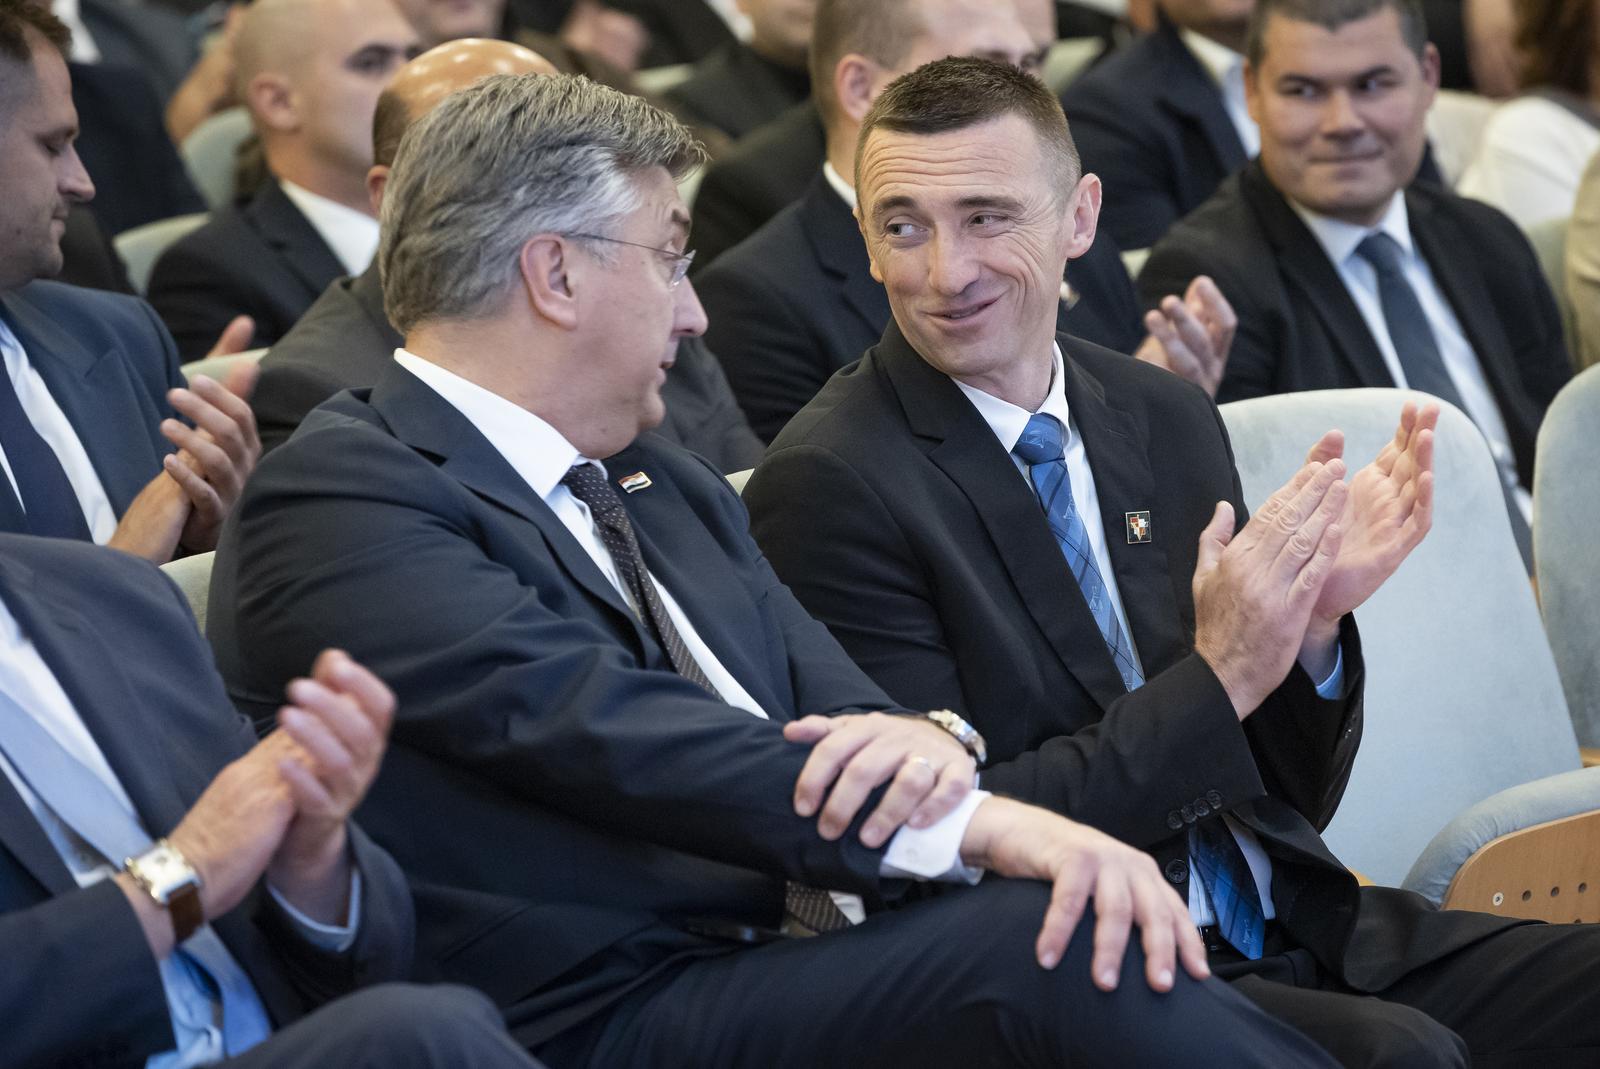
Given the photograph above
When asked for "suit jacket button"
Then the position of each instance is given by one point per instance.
(1177, 871)
(1174, 821)
(1188, 814)
(1214, 799)
(1200, 808)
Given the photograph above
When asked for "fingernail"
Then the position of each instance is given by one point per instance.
(1108, 979)
(1164, 978)
(1049, 959)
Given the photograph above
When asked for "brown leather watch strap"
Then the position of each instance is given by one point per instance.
(186, 912)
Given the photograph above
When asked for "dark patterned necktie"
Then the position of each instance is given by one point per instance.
(810, 908)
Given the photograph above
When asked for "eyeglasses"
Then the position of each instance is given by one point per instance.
(680, 260)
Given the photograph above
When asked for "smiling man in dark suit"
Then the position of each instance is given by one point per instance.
(598, 674)
(1045, 532)
(1344, 274)
(91, 398)
(311, 98)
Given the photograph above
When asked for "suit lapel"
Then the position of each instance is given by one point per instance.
(428, 423)
(961, 444)
(840, 249)
(80, 381)
(133, 737)
(1114, 440)
(1188, 91)
(1309, 270)
(291, 235)
(1463, 286)
(685, 558)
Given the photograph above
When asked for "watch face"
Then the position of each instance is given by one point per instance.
(164, 871)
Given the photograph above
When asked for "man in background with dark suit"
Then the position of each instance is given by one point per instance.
(743, 85)
(1163, 121)
(596, 672)
(345, 340)
(796, 301)
(1345, 274)
(311, 97)
(259, 930)
(1045, 532)
(91, 395)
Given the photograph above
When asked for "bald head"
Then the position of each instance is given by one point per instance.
(421, 84)
(272, 37)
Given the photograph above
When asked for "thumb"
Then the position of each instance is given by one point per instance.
(235, 337)
(1329, 447)
(1215, 538)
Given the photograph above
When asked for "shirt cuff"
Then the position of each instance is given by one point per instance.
(934, 852)
(1333, 687)
(336, 938)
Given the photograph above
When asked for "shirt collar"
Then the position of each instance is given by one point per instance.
(1218, 60)
(84, 49)
(1007, 420)
(538, 452)
(846, 191)
(352, 235)
(1339, 239)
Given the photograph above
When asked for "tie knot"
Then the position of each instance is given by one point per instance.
(1041, 440)
(589, 485)
(1381, 251)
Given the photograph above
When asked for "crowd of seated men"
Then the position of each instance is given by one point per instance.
(516, 735)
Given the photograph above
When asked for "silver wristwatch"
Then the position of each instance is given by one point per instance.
(964, 733)
(166, 876)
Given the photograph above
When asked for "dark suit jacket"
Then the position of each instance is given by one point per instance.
(750, 183)
(147, 37)
(138, 175)
(345, 340)
(262, 258)
(1299, 329)
(797, 301)
(1151, 123)
(81, 986)
(88, 258)
(681, 31)
(108, 363)
(901, 523)
(562, 799)
(735, 89)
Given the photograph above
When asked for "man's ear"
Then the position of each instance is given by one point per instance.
(1252, 91)
(855, 81)
(377, 181)
(551, 279)
(1083, 216)
(273, 102)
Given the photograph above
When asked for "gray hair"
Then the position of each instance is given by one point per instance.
(494, 164)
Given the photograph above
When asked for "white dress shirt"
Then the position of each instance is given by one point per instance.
(1008, 421)
(541, 456)
(84, 49)
(195, 1012)
(1226, 68)
(352, 235)
(53, 426)
(1339, 240)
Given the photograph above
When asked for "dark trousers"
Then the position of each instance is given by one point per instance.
(946, 982)
(394, 1026)
(1525, 997)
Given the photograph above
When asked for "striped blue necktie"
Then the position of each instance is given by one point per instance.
(1215, 853)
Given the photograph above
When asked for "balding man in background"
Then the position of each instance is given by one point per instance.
(346, 340)
(310, 72)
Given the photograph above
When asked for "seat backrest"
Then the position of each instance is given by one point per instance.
(217, 367)
(1566, 513)
(737, 479)
(193, 576)
(141, 246)
(210, 152)
(1462, 697)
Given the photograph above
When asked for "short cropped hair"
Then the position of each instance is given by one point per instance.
(881, 30)
(961, 92)
(504, 159)
(19, 16)
(1555, 41)
(1332, 14)
(389, 122)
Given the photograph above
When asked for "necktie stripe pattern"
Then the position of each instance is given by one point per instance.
(811, 908)
(1216, 857)
(86, 805)
(1418, 350)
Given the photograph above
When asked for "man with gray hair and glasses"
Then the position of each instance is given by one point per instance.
(594, 782)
